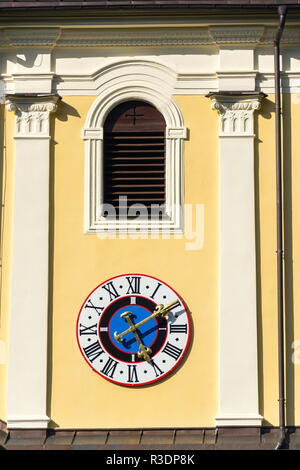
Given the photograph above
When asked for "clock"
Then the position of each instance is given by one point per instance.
(133, 329)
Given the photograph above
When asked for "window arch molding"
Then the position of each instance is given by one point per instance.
(116, 92)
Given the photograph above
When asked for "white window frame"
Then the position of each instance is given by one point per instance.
(143, 90)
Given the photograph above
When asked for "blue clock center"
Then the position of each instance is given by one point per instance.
(147, 332)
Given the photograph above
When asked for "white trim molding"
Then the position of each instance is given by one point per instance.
(28, 422)
(73, 61)
(238, 420)
(143, 81)
(238, 366)
(28, 332)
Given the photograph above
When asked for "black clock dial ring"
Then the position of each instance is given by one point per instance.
(106, 335)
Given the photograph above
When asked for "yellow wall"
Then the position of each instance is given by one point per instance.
(266, 251)
(80, 398)
(292, 255)
(7, 129)
(292, 195)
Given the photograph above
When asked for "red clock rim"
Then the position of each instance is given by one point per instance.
(176, 363)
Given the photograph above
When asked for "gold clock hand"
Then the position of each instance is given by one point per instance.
(144, 352)
(160, 311)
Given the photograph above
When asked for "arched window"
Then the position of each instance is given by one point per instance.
(117, 145)
(134, 157)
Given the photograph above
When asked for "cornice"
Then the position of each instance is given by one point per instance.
(291, 35)
(146, 36)
(236, 34)
(46, 37)
(138, 37)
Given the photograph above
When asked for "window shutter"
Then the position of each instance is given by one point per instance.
(134, 155)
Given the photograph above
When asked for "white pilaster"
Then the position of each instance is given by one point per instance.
(27, 371)
(238, 368)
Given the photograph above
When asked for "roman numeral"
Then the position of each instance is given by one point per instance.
(179, 312)
(155, 290)
(87, 330)
(93, 351)
(132, 374)
(110, 288)
(178, 328)
(134, 285)
(157, 370)
(110, 367)
(172, 351)
(178, 304)
(90, 304)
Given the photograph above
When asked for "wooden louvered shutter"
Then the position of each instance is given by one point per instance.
(134, 155)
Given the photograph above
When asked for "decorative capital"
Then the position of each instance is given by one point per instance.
(32, 113)
(236, 111)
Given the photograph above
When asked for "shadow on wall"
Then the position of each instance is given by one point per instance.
(31, 59)
(65, 110)
(62, 114)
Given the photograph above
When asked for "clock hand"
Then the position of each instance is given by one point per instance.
(144, 352)
(160, 311)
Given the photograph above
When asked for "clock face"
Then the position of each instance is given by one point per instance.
(133, 329)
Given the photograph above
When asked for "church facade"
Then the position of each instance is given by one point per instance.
(139, 225)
